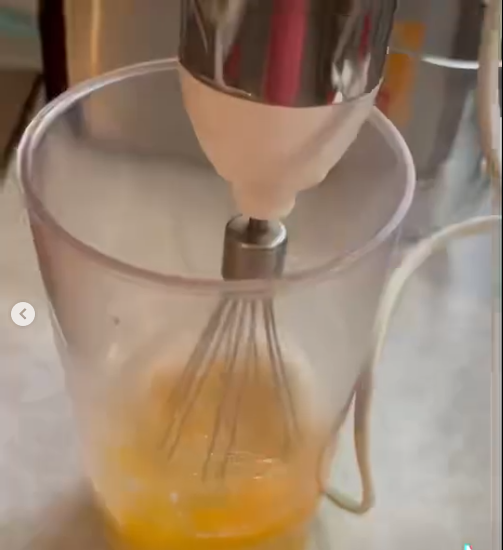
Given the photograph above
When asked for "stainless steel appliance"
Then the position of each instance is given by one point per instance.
(430, 94)
(85, 38)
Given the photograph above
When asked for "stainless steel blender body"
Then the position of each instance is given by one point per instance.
(287, 52)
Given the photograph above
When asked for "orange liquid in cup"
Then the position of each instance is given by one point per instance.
(257, 491)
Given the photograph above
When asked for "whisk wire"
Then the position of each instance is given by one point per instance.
(186, 397)
(234, 341)
(280, 378)
(250, 364)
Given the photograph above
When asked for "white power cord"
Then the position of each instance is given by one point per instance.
(412, 261)
(417, 256)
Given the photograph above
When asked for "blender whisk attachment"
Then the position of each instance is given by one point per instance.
(239, 359)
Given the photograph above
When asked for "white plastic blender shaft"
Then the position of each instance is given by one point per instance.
(267, 153)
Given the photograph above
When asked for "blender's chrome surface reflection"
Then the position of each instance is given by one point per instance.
(288, 52)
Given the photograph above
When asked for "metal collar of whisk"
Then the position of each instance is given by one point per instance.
(254, 249)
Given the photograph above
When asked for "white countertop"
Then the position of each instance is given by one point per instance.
(432, 421)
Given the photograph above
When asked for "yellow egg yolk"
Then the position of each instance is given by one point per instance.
(220, 465)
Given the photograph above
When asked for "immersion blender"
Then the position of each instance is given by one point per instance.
(277, 90)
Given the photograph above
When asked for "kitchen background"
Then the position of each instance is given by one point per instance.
(20, 67)
(436, 447)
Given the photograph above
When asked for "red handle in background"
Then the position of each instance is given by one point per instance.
(286, 50)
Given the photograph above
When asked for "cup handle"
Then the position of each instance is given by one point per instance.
(362, 395)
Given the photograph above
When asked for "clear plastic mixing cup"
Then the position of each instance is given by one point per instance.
(128, 218)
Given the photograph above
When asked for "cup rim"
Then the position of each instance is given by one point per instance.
(43, 120)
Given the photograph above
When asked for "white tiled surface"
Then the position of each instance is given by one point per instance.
(431, 439)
